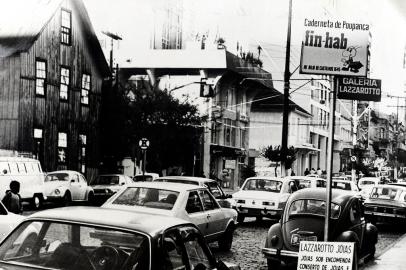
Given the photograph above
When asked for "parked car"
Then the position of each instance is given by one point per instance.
(368, 181)
(225, 200)
(189, 202)
(263, 197)
(105, 185)
(89, 238)
(308, 182)
(67, 186)
(344, 185)
(146, 177)
(366, 184)
(303, 220)
(29, 173)
(8, 221)
(386, 203)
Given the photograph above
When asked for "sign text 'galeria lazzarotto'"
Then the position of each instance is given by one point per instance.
(355, 88)
(335, 48)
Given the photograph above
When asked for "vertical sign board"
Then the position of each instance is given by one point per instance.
(335, 48)
(325, 255)
(358, 88)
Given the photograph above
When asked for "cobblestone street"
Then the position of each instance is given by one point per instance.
(249, 238)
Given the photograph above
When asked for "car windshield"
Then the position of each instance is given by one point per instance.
(57, 177)
(147, 197)
(341, 185)
(388, 193)
(54, 245)
(367, 182)
(312, 207)
(106, 180)
(263, 185)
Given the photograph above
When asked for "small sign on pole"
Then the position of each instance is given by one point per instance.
(325, 255)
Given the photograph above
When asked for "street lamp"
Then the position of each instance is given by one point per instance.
(144, 145)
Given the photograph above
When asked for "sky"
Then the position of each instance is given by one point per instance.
(257, 21)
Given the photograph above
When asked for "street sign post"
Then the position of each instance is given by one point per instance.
(144, 145)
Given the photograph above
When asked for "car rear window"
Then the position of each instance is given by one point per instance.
(342, 185)
(147, 197)
(139, 178)
(180, 181)
(313, 207)
(57, 177)
(388, 193)
(263, 185)
(367, 182)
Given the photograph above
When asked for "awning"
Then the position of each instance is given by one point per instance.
(308, 147)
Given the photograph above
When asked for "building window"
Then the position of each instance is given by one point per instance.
(382, 133)
(243, 133)
(84, 95)
(215, 133)
(40, 76)
(66, 27)
(229, 132)
(38, 142)
(82, 153)
(38, 133)
(63, 93)
(62, 146)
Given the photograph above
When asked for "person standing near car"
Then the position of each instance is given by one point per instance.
(12, 199)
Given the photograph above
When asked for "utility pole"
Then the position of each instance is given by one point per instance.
(285, 129)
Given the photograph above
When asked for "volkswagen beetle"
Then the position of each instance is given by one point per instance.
(303, 220)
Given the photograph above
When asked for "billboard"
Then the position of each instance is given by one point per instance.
(334, 48)
(355, 88)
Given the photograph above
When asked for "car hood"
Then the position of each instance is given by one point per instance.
(49, 187)
(113, 188)
(304, 226)
(259, 195)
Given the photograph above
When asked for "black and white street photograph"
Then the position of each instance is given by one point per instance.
(202, 134)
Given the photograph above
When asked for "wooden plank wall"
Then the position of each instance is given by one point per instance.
(49, 112)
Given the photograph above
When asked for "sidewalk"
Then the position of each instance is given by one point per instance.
(393, 258)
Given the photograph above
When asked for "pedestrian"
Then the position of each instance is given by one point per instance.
(319, 172)
(12, 200)
(292, 173)
(306, 172)
(312, 171)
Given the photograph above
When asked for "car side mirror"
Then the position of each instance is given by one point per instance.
(72, 180)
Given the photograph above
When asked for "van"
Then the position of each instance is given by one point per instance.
(28, 172)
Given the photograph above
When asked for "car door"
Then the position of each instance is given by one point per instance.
(357, 220)
(217, 221)
(74, 186)
(195, 211)
(82, 187)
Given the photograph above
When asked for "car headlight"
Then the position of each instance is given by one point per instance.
(295, 239)
(57, 192)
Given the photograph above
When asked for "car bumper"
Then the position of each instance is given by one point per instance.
(258, 212)
(53, 198)
(273, 253)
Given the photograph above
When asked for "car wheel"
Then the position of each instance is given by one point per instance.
(67, 199)
(240, 218)
(273, 264)
(36, 202)
(90, 198)
(226, 239)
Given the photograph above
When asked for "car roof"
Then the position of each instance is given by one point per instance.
(187, 178)
(338, 196)
(166, 185)
(148, 223)
(64, 171)
(370, 178)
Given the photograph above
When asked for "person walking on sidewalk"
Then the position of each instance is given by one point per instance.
(12, 200)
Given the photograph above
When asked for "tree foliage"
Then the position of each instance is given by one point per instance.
(174, 128)
(275, 154)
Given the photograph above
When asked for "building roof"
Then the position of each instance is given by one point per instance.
(142, 222)
(19, 29)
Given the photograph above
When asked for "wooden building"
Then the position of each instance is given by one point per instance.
(52, 71)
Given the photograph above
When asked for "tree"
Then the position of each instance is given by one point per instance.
(274, 154)
(174, 128)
